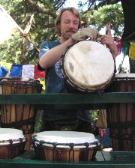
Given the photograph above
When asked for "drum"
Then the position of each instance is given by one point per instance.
(12, 143)
(68, 146)
(87, 66)
(121, 117)
(19, 116)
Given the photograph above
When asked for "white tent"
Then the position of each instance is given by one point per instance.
(7, 25)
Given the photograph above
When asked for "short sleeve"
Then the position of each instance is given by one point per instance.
(43, 48)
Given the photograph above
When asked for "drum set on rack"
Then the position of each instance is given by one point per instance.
(87, 67)
(17, 117)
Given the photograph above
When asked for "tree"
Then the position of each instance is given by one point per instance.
(36, 19)
(95, 4)
(128, 7)
(23, 50)
(112, 14)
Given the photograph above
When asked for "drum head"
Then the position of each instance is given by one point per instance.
(125, 76)
(7, 134)
(67, 137)
(89, 65)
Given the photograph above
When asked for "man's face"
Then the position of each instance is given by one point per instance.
(69, 24)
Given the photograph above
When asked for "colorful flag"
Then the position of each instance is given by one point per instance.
(28, 71)
(132, 50)
(37, 73)
(16, 71)
(119, 46)
(3, 71)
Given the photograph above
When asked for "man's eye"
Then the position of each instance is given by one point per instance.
(76, 23)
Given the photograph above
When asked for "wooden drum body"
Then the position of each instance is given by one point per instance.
(68, 146)
(88, 66)
(19, 116)
(121, 117)
(12, 143)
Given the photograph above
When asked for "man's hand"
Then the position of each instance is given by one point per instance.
(109, 41)
(85, 33)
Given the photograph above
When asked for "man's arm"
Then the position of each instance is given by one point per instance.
(109, 41)
(53, 55)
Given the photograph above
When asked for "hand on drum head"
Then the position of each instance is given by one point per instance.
(85, 33)
(108, 40)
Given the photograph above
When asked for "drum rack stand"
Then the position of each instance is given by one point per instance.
(121, 159)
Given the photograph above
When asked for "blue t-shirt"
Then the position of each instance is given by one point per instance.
(55, 84)
(54, 78)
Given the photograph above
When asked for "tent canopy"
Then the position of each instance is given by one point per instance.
(129, 19)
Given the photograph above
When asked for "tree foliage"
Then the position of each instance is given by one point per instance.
(22, 48)
(42, 28)
(95, 4)
(109, 14)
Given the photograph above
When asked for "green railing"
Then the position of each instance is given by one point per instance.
(65, 101)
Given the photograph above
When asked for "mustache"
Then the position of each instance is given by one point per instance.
(71, 31)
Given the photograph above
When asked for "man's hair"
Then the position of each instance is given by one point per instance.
(58, 19)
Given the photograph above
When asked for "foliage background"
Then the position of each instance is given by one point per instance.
(23, 48)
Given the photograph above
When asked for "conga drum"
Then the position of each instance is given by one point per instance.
(87, 66)
(121, 117)
(12, 143)
(67, 146)
(19, 116)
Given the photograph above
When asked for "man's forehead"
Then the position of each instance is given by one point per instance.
(69, 15)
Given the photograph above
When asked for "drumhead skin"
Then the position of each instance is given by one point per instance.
(125, 75)
(89, 65)
(67, 137)
(7, 134)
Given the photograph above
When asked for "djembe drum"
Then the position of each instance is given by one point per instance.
(68, 146)
(87, 66)
(12, 143)
(19, 116)
(121, 117)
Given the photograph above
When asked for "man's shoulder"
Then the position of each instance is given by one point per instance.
(47, 45)
(50, 43)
